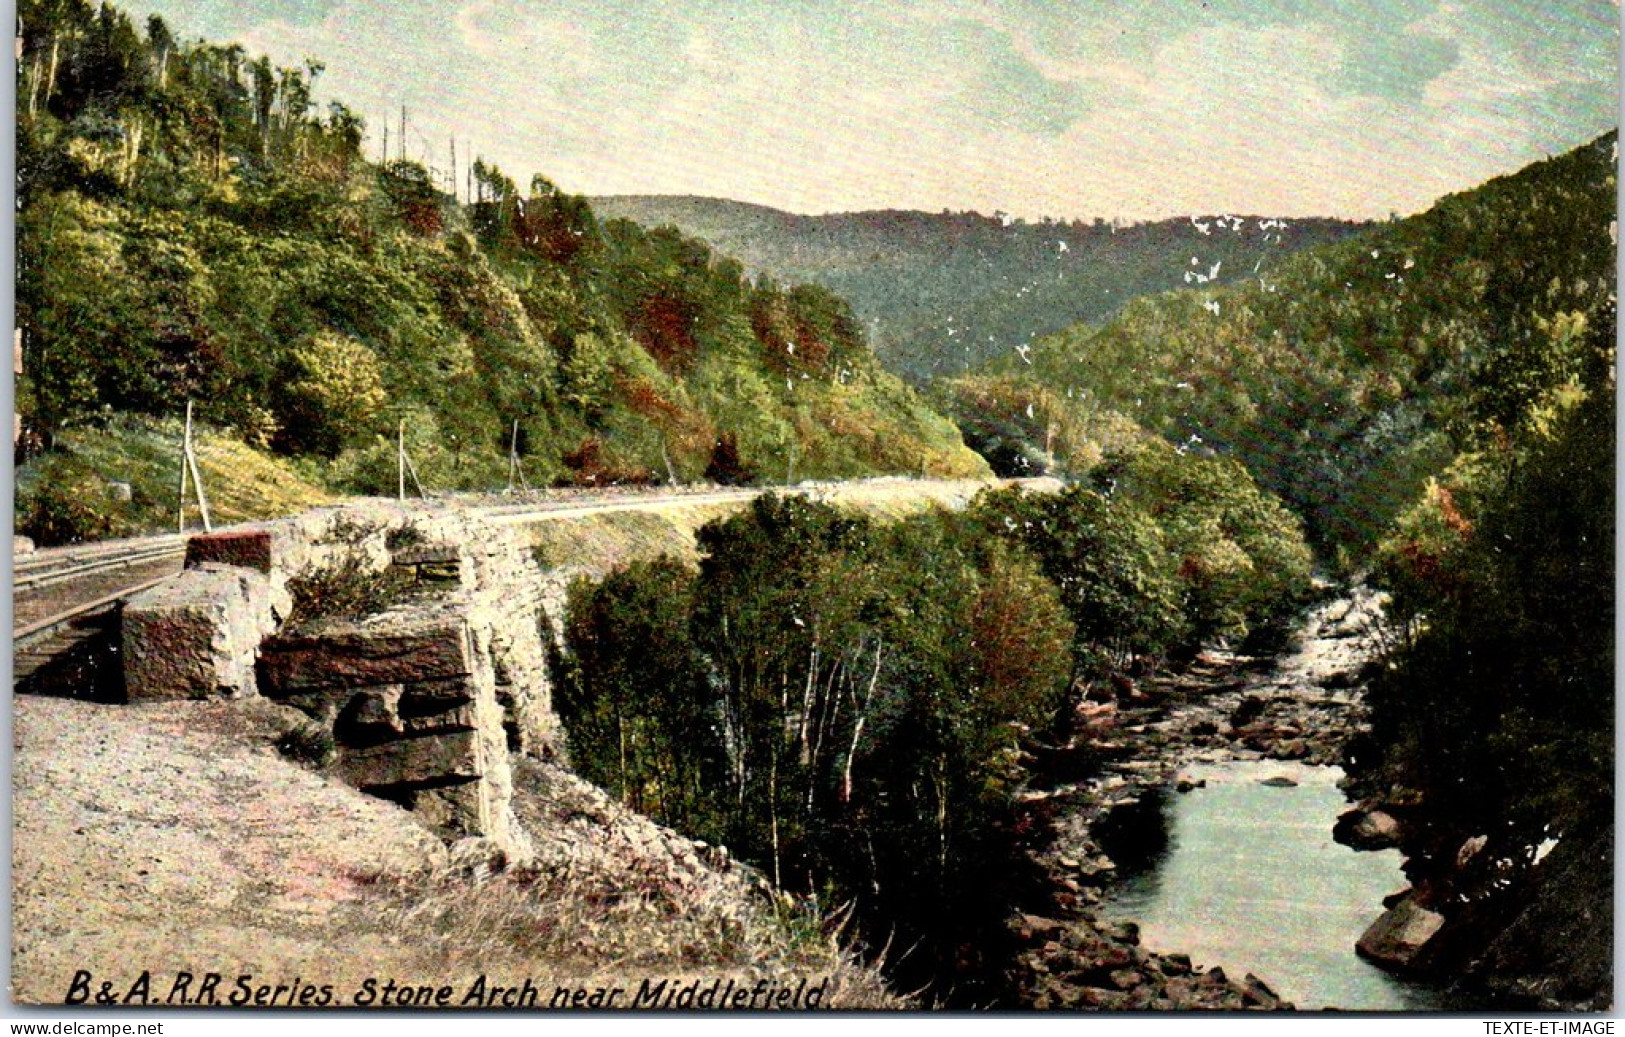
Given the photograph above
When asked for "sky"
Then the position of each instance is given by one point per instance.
(1081, 109)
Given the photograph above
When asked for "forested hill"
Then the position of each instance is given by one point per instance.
(945, 292)
(1351, 373)
(192, 225)
(1436, 399)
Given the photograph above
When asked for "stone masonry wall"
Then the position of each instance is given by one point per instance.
(439, 546)
(424, 700)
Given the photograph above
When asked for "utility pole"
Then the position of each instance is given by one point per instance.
(515, 469)
(189, 465)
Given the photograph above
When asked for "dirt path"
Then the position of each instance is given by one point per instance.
(172, 837)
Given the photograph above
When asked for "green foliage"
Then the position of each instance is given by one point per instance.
(1499, 697)
(945, 293)
(73, 491)
(838, 701)
(64, 501)
(1352, 373)
(1241, 555)
(192, 227)
(334, 390)
(1117, 577)
(348, 589)
(1161, 552)
(1025, 428)
(638, 697)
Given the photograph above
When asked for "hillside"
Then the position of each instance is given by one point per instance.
(192, 226)
(1436, 400)
(1352, 372)
(118, 480)
(944, 293)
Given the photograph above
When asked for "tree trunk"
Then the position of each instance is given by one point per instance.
(773, 814)
(620, 736)
(33, 87)
(50, 77)
(857, 728)
(132, 152)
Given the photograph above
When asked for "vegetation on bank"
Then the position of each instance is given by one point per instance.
(844, 703)
(1499, 695)
(122, 478)
(1436, 401)
(192, 226)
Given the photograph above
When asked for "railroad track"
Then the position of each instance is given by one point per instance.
(64, 599)
(36, 571)
(64, 610)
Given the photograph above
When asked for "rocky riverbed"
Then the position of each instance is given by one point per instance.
(1133, 742)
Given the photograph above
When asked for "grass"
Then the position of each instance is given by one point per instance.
(598, 544)
(73, 492)
(612, 900)
(349, 589)
(576, 928)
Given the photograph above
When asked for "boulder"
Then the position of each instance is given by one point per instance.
(1176, 965)
(195, 634)
(1037, 927)
(1367, 830)
(442, 758)
(1259, 994)
(1398, 940)
(1126, 979)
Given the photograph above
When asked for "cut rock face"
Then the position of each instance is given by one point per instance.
(195, 635)
(413, 710)
(428, 670)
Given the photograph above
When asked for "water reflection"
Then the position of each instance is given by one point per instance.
(1246, 876)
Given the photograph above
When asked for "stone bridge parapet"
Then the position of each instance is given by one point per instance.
(411, 634)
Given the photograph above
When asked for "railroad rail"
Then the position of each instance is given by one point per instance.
(64, 599)
(44, 569)
(28, 632)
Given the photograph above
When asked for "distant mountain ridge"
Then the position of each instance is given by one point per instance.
(943, 293)
(1351, 374)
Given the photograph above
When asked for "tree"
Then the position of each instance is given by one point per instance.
(850, 696)
(638, 706)
(1109, 560)
(333, 392)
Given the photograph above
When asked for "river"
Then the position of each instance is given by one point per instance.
(1250, 879)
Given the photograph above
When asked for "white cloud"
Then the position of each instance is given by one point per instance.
(1075, 109)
